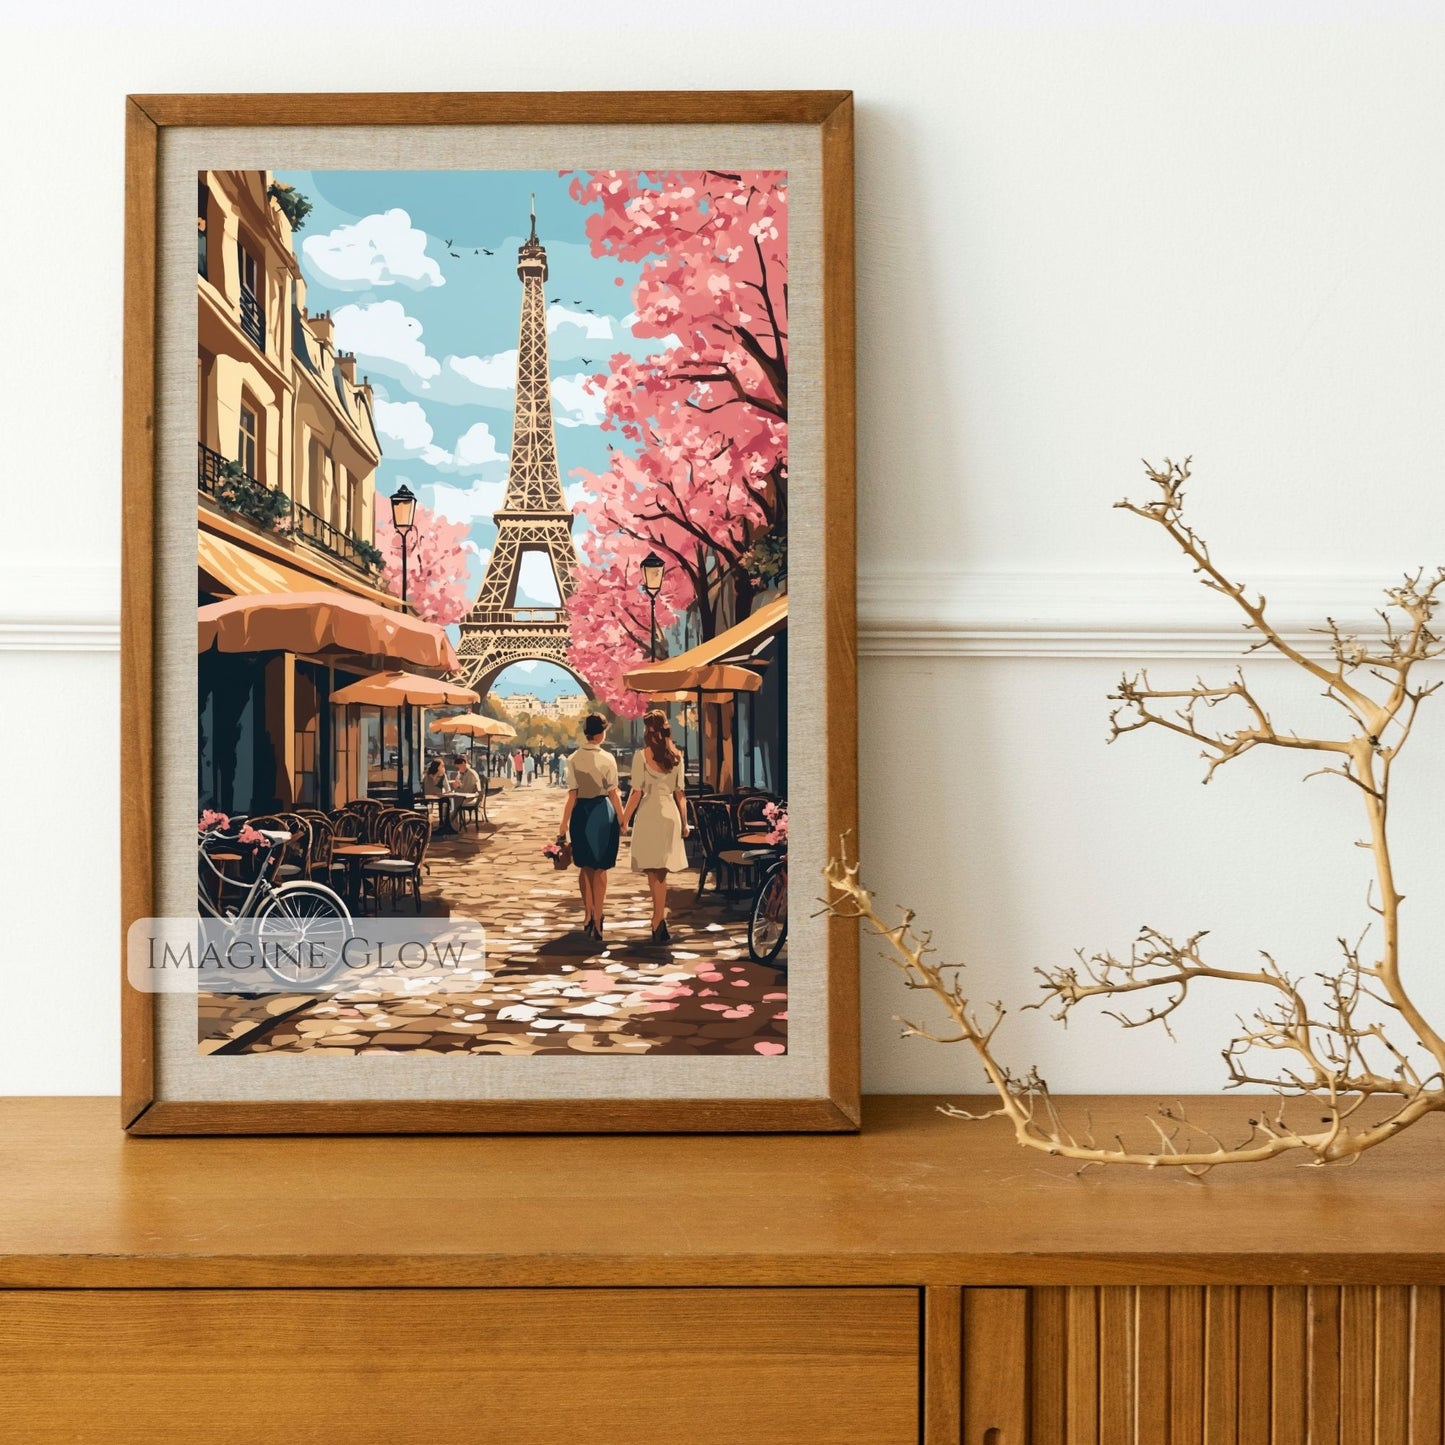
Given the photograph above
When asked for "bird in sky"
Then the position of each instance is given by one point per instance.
(585, 360)
(552, 300)
(486, 252)
(448, 243)
(453, 253)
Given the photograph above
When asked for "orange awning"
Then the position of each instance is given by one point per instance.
(733, 643)
(235, 570)
(239, 560)
(719, 677)
(316, 622)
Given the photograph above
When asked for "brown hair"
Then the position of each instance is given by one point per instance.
(657, 734)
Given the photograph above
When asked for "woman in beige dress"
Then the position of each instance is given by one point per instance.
(658, 804)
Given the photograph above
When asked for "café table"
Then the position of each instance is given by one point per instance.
(427, 799)
(354, 855)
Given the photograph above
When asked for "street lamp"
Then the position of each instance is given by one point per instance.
(652, 569)
(403, 513)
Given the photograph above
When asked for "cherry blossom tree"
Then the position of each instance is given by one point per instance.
(702, 475)
(436, 565)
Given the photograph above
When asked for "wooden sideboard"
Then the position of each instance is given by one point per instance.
(926, 1280)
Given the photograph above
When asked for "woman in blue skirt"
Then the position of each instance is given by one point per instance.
(590, 819)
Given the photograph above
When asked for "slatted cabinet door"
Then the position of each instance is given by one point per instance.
(1188, 1365)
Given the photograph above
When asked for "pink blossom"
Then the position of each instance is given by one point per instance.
(250, 835)
(210, 818)
(706, 416)
(767, 1046)
(436, 565)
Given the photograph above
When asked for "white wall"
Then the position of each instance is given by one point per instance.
(1085, 238)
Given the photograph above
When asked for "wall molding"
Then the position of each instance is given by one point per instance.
(1120, 615)
(48, 607)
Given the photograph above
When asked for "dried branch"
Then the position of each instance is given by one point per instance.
(1325, 1047)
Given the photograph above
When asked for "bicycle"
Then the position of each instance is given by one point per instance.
(768, 921)
(301, 926)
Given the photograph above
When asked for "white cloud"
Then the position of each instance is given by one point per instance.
(574, 334)
(378, 250)
(387, 340)
(574, 406)
(405, 432)
(476, 449)
(467, 504)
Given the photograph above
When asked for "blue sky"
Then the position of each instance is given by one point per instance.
(399, 259)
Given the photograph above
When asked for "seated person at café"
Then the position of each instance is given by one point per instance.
(466, 786)
(435, 785)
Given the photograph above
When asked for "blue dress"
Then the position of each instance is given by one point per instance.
(596, 830)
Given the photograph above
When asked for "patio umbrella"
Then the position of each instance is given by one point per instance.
(401, 690)
(475, 725)
(321, 622)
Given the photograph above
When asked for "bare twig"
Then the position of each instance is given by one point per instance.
(1330, 1054)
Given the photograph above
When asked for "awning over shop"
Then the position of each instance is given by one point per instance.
(717, 677)
(316, 623)
(233, 569)
(234, 559)
(736, 642)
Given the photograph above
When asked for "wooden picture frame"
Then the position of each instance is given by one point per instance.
(155, 122)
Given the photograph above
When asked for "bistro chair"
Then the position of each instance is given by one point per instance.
(730, 865)
(413, 834)
(468, 805)
(384, 826)
(323, 839)
(290, 861)
(347, 827)
(367, 809)
(296, 859)
(751, 818)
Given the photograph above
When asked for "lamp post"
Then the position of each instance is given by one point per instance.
(403, 513)
(652, 569)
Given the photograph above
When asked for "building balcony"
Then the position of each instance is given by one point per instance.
(299, 523)
(253, 318)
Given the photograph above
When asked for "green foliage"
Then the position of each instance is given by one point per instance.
(293, 205)
(243, 494)
(369, 554)
(539, 731)
(767, 562)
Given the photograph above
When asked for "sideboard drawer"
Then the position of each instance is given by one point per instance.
(442, 1365)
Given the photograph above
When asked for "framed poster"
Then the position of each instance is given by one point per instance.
(523, 666)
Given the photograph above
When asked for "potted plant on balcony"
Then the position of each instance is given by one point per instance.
(237, 491)
(369, 554)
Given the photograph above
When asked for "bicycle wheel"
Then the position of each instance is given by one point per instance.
(768, 926)
(303, 929)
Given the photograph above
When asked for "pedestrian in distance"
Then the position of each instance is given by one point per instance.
(517, 765)
(591, 820)
(659, 805)
(529, 768)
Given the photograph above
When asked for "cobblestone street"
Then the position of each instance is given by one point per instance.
(545, 987)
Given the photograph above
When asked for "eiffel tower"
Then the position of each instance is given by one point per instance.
(533, 518)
